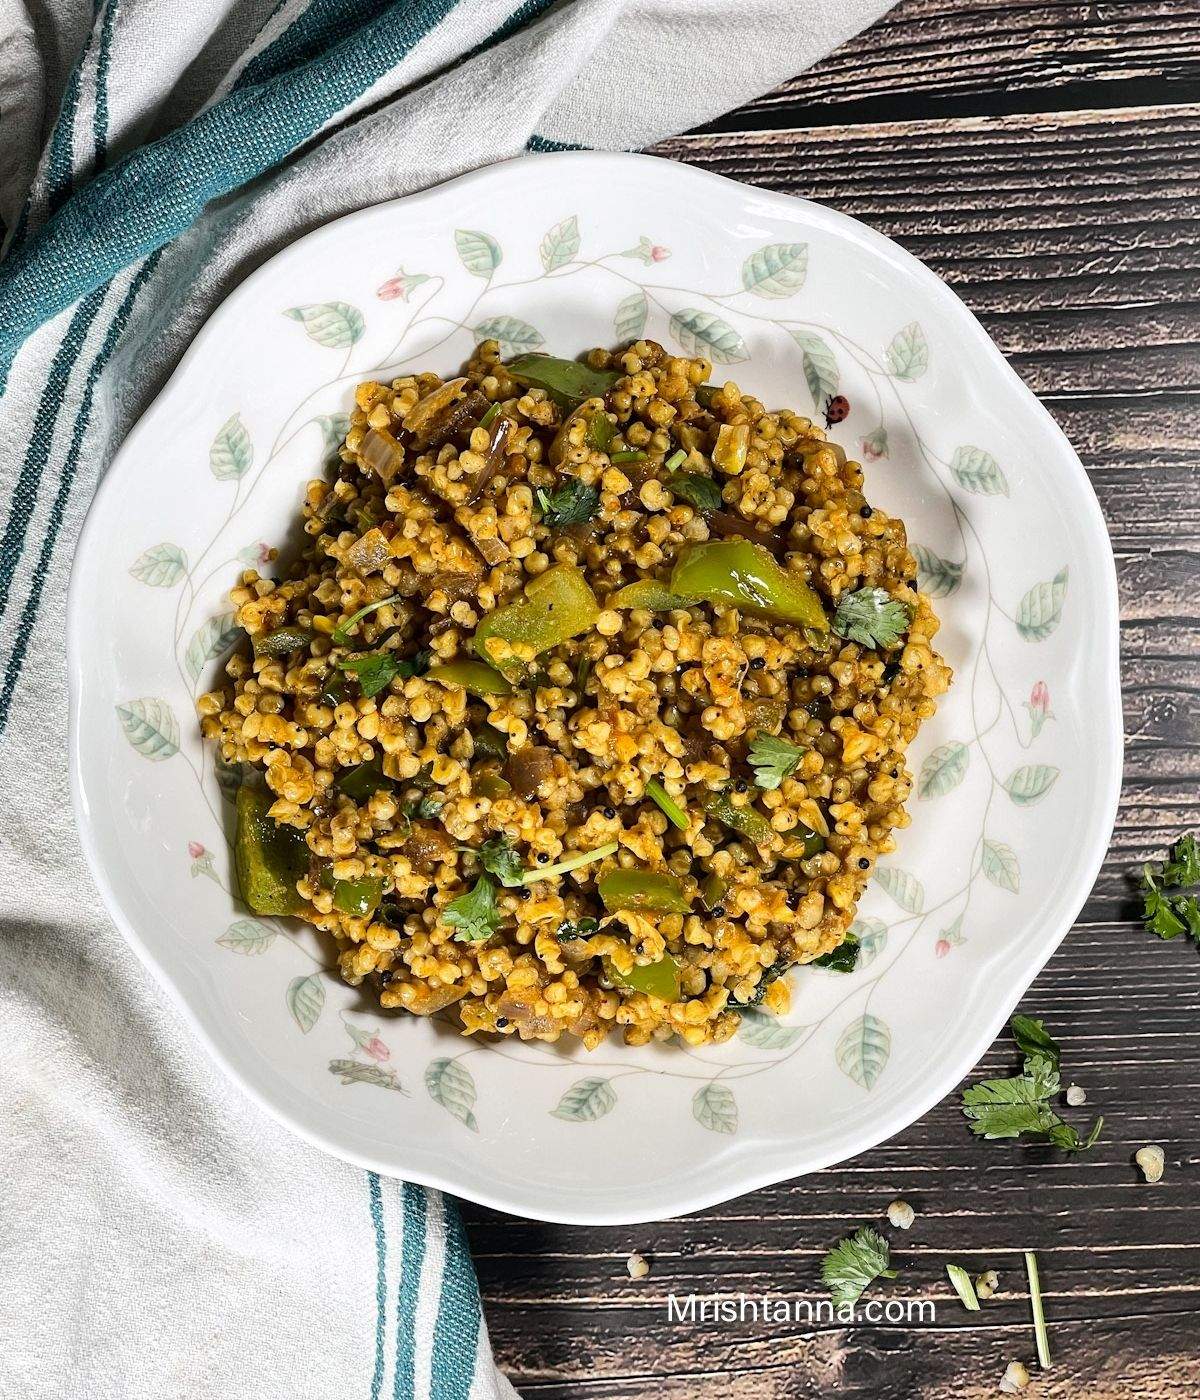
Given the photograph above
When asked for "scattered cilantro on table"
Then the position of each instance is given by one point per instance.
(1170, 905)
(853, 1264)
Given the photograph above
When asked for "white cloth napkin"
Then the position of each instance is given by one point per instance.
(160, 1236)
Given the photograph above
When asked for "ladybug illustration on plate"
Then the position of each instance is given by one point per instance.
(837, 408)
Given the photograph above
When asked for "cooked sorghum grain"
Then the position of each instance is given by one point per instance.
(441, 515)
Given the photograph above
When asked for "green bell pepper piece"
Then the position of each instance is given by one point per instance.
(648, 593)
(282, 641)
(361, 781)
(747, 576)
(814, 842)
(269, 857)
(600, 431)
(656, 979)
(746, 821)
(490, 742)
(713, 890)
(358, 897)
(643, 889)
(475, 677)
(557, 605)
(569, 382)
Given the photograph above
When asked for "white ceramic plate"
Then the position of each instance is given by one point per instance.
(1018, 774)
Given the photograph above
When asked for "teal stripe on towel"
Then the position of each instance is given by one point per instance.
(100, 121)
(110, 223)
(322, 24)
(380, 1280)
(412, 1258)
(456, 1333)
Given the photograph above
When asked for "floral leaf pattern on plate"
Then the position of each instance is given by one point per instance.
(161, 566)
(1030, 783)
(903, 886)
(561, 244)
(449, 1083)
(248, 936)
(629, 322)
(585, 1101)
(1000, 865)
(513, 334)
(210, 640)
(978, 471)
(306, 1000)
(715, 1108)
(334, 427)
(943, 770)
(936, 577)
(702, 333)
(765, 1032)
(872, 936)
(819, 365)
(480, 253)
(334, 324)
(231, 452)
(151, 727)
(1040, 610)
(908, 354)
(355, 1072)
(776, 271)
(863, 1049)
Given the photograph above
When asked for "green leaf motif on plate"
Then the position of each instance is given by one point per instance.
(151, 727)
(355, 1072)
(978, 471)
(908, 354)
(1001, 866)
(629, 322)
(1030, 783)
(231, 452)
(480, 253)
(210, 640)
(162, 566)
(1041, 609)
(863, 1048)
(334, 427)
(819, 365)
(449, 1083)
(872, 935)
(703, 334)
(904, 887)
(714, 1108)
(766, 1032)
(306, 1000)
(561, 244)
(776, 271)
(936, 577)
(943, 770)
(248, 936)
(334, 324)
(513, 334)
(585, 1101)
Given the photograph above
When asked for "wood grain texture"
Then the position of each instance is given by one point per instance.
(1075, 238)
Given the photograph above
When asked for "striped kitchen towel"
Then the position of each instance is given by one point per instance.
(160, 1237)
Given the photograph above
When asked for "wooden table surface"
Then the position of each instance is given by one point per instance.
(1044, 158)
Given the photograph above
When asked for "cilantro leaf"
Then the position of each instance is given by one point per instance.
(855, 1263)
(698, 490)
(773, 760)
(1183, 865)
(375, 669)
(843, 958)
(499, 857)
(871, 618)
(571, 504)
(772, 974)
(1167, 909)
(475, 915)
(576, 928)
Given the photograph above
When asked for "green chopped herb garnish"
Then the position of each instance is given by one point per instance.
(1039, 1316)
(699, 491)
(499, 857)
(341, 634)
(772, 974)
(475, 915)
(854, 1264)
(374, 670)
(576, 928)
(676, 459)
(1169, 898)
(843, 958)
(571, 504)
(773, 760)
(629, 454)
(547, 872)
(674, 812)
(872, 618)
(1020, 1106)
(963, 1286)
